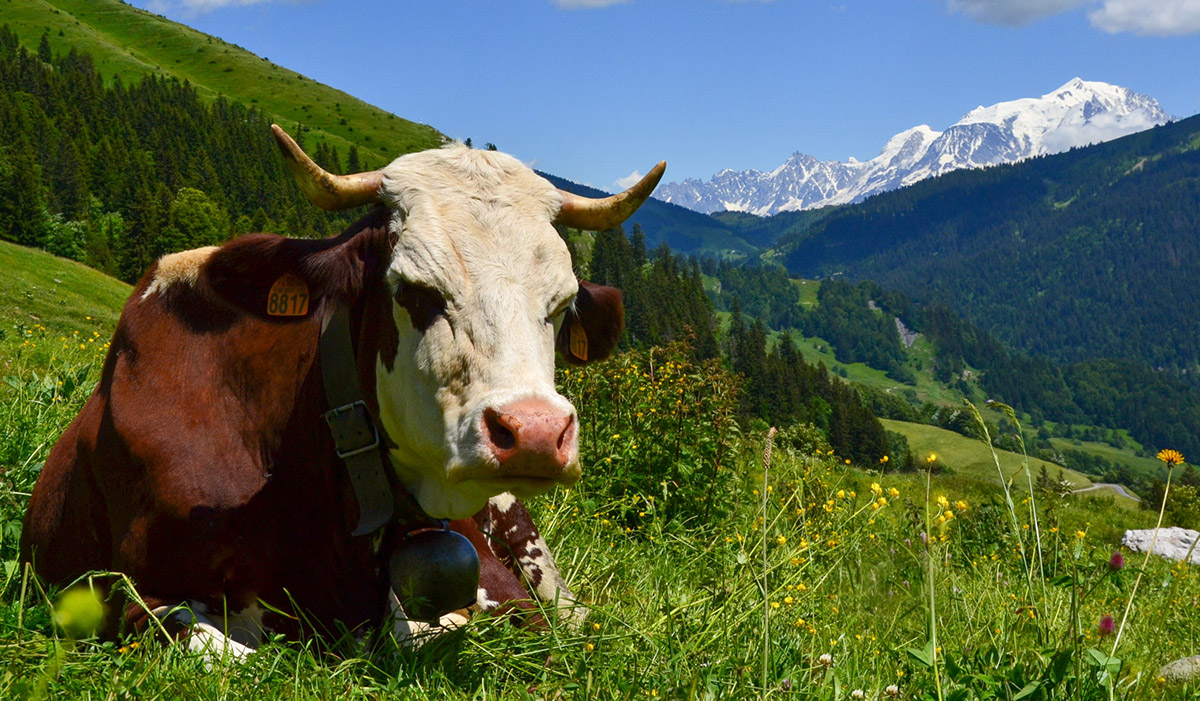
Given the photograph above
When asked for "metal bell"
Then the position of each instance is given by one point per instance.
(434, 572)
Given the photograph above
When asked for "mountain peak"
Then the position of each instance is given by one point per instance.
(1078, 113)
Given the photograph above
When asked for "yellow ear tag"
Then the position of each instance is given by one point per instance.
(578, 340)
(288, 297)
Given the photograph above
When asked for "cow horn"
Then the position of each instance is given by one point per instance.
(598, 214)
(324, 189)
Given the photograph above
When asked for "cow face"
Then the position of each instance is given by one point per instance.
(479, 283)
(472, 290)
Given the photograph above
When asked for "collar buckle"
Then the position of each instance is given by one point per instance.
(353, 430)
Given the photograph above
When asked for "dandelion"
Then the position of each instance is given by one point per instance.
(1105, 626)
(1170, 457)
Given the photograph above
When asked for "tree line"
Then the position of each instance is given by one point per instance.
(116, 175)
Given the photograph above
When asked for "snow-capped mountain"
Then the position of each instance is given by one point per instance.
(1079, 113)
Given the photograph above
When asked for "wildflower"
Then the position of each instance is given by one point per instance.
(943, 501)
(826, 660)
(1105, 626)
(589, 647)
(1116, 562)
(892, 690)
(960, 505)
(841, 494)
(883, 460)
(876, 488)
(788, 600)
(893, 492)
(1080, 534)
(858, 694)
(882, 501)
(931, 458)
(781, 540)
(1170, 457)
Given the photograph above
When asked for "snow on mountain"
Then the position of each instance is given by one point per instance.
(1077, 114)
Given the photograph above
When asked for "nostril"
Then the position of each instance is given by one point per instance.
(566, 432)
(501, 429)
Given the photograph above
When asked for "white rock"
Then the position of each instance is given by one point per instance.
(1173, 542)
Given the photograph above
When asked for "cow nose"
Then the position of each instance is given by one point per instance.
(530, 438)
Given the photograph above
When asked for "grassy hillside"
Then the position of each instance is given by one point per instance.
(49, 305)
(131, 43)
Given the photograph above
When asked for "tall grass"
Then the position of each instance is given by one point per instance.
(708, 573)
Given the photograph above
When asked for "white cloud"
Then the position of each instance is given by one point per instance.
(629, 180)
(586, 4)
(1148, 17)
(1101, 128)
(1011, 13)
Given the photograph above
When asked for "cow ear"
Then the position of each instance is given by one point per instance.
(278, 278)
(593, 325)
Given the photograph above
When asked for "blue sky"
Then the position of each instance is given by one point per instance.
(593, 90)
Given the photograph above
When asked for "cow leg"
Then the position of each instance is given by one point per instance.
(514, 539)
(216, 635)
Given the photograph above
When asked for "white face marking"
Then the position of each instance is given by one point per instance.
(473, 227)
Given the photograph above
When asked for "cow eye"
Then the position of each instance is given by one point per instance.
(423, 303)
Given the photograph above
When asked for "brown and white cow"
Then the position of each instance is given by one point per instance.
(201, 465)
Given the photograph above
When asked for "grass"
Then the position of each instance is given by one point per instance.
(667, 549)
(132, 43)
(39, 291)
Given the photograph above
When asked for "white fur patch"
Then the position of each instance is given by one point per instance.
(178, 268)
(232, 638)
(409, 633)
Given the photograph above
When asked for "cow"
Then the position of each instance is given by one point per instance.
(207, 465)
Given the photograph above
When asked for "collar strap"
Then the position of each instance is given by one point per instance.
(355, 436)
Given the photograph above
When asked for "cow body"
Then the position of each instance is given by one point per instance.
(201, 465)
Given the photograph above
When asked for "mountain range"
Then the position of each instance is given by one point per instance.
(1077, 114)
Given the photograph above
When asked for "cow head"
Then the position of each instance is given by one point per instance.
(476, 292)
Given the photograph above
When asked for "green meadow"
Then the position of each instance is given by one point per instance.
(707, 572)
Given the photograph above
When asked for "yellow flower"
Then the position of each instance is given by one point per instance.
(943, 501)
(841, 494)
(781, 540)
(589, 647)
(893, 492)
(931, 458)
(882, 501)
(884, 459)
(1080, 535)
(876, 488)
(1170, 457)
(960, 505)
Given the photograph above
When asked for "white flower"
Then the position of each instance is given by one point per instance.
(892, 690)
(858, 694)
(826, 660)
